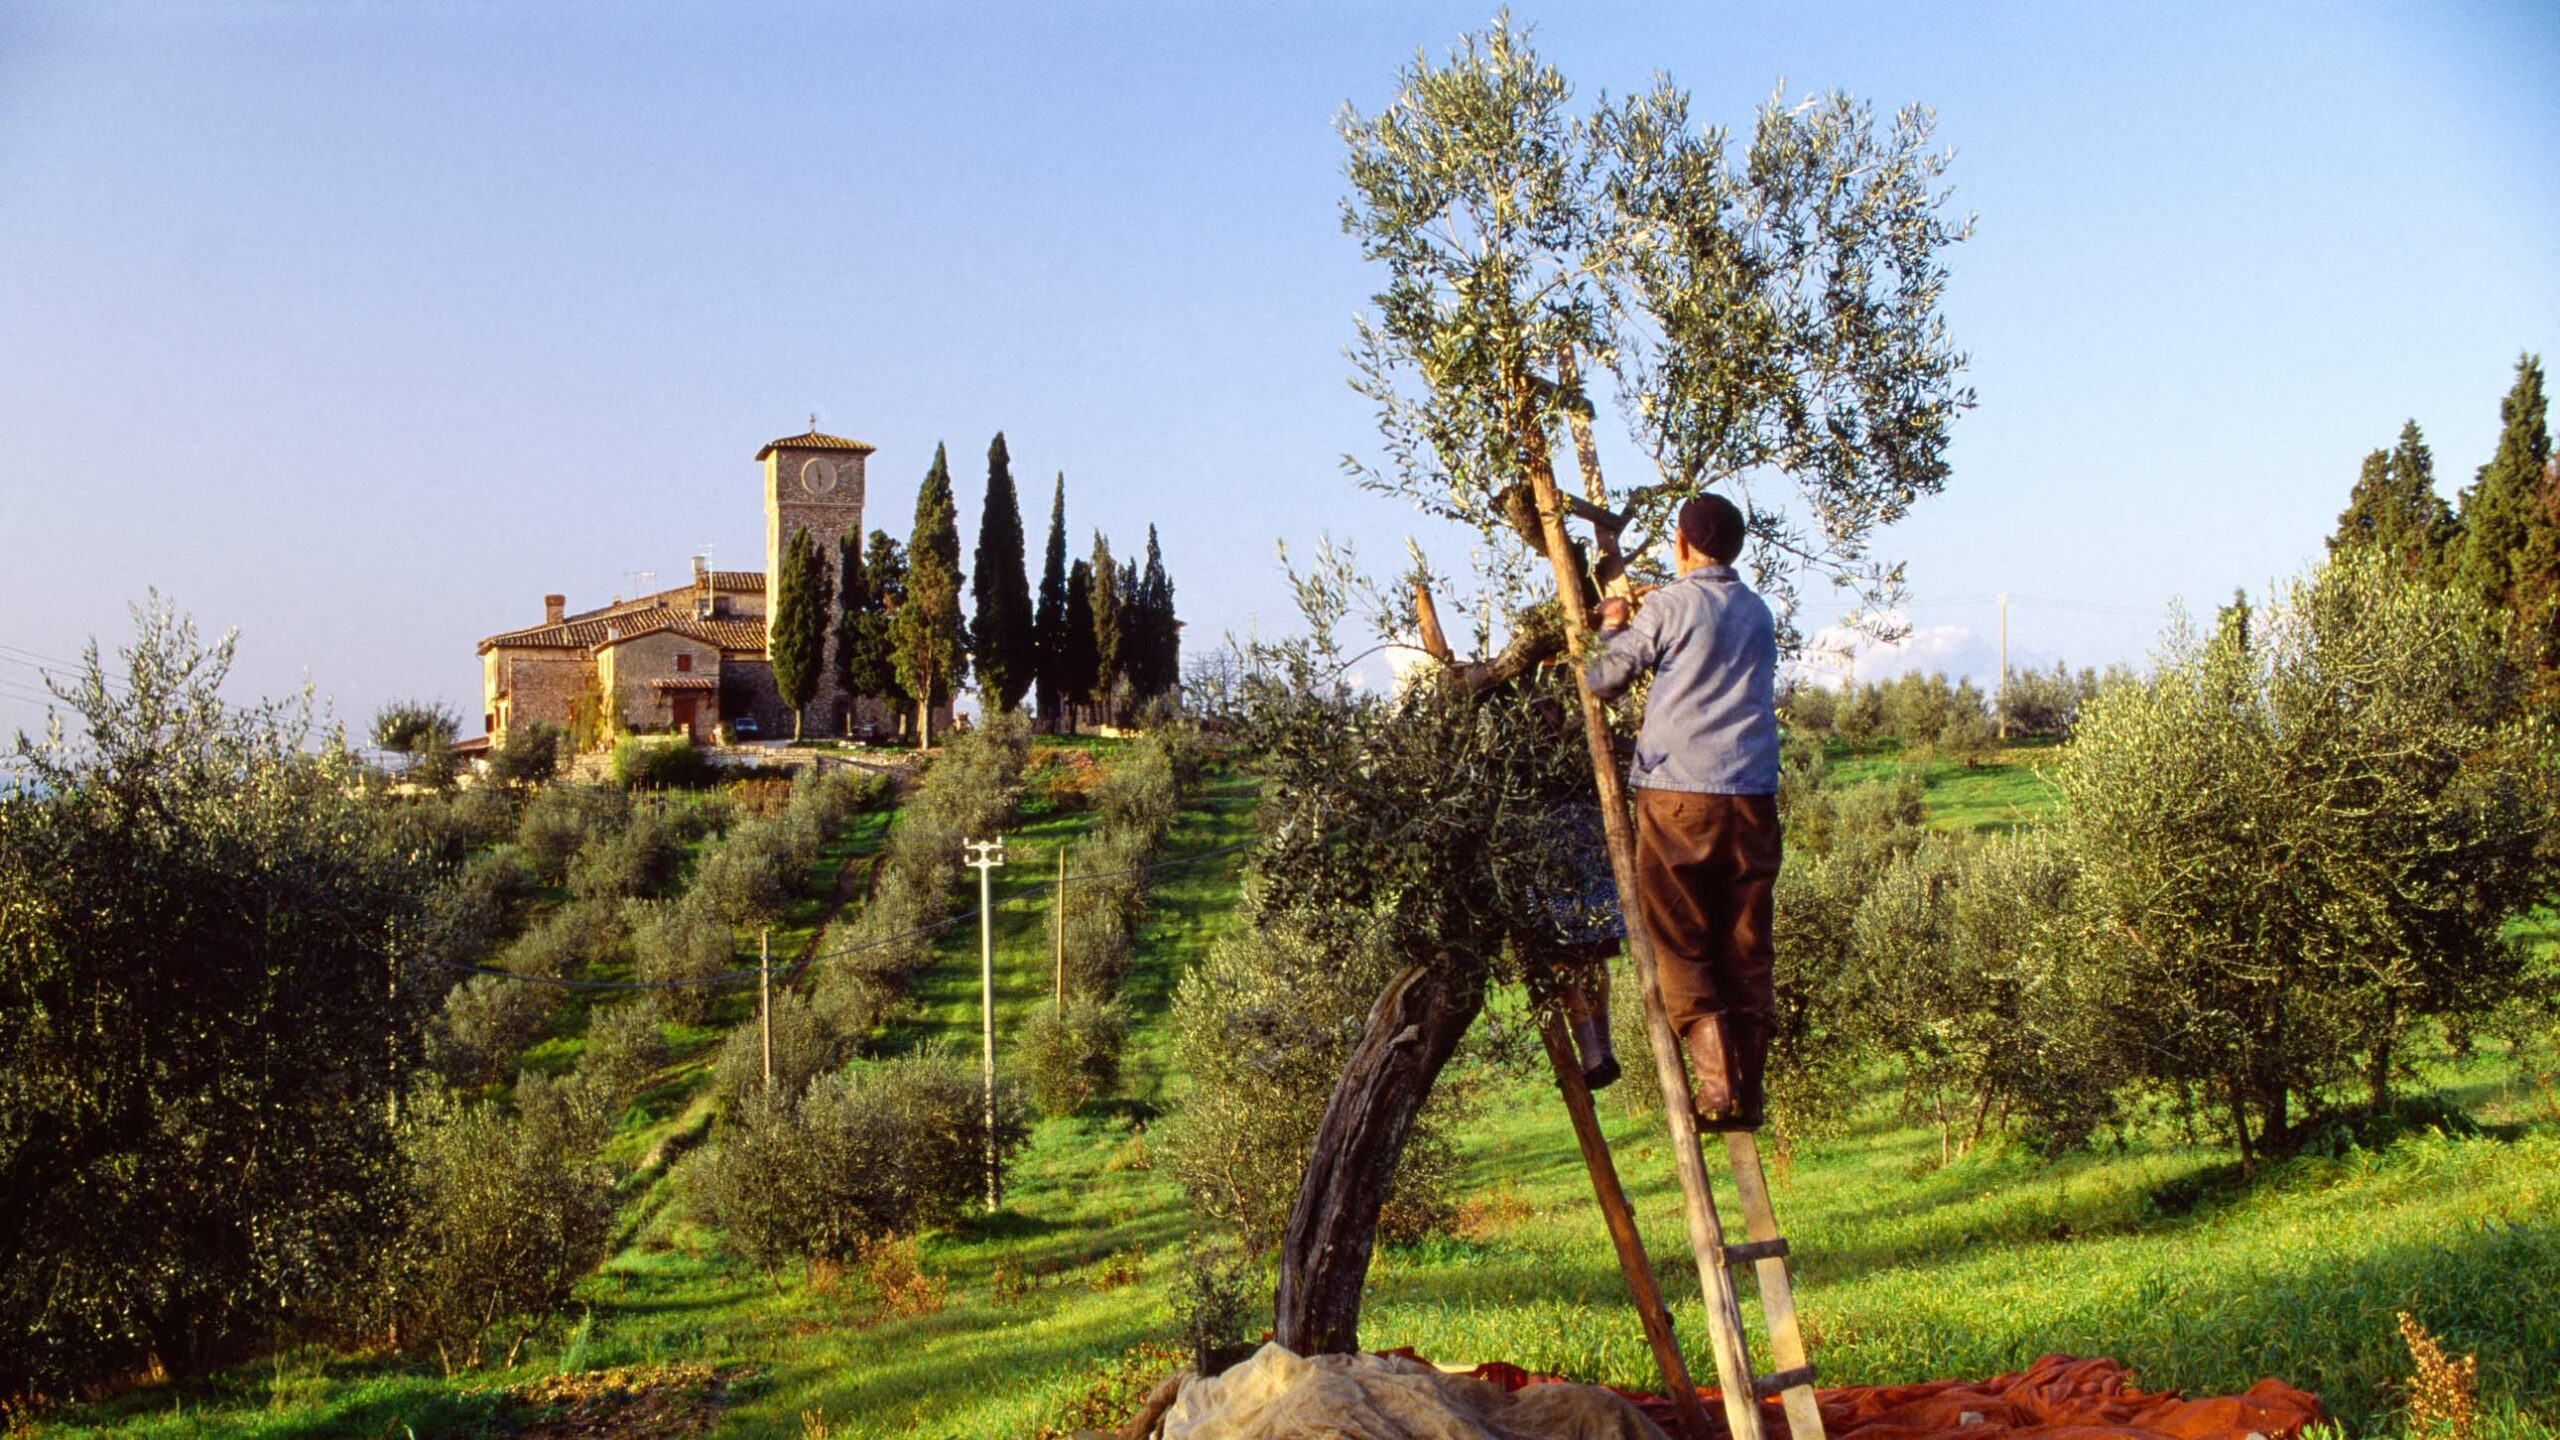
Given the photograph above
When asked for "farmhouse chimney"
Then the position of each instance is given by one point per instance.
(554, 607)
(701, 569)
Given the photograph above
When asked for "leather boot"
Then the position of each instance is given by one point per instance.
(1750, 1056)
(1591, 1043)
(1711, 1069)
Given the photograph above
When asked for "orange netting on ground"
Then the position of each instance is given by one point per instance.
(2056, 1398)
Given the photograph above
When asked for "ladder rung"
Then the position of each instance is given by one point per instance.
(1755, 1250)
(1768, 1387)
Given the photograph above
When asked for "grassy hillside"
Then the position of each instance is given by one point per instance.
(2150, 1249)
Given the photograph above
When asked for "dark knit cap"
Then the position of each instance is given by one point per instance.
(1713, 527)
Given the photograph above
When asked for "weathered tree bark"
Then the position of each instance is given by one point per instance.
(1324, 1254)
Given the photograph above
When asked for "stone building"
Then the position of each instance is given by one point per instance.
(692, 657)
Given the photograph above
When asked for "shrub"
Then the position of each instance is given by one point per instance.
(487, 1022)
(448, 828)
(470, 911)
(529, 755)
(505, 1214)
(581, 935)
(682, 940)
(752, 874)
(2306, 834)
(860, 1155)
(647, 762)
(1262, 1026)
(199, 909)
(805, 1046)
(561, 820)
(1138, 792)
(642, 858)
(625, 1047)
(1072, 1054)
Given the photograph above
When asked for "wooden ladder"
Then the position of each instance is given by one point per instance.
(1763, 1252)
(1764, 1249)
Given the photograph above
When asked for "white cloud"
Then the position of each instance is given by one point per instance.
(1836, 653)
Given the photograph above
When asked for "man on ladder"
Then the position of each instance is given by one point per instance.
(1705, 777)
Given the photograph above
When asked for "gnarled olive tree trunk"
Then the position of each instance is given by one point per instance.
(1324, 1255)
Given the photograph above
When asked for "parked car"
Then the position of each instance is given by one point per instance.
(745, 727)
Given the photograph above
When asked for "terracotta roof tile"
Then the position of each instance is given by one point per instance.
(814, 441)
(600, 628)
(684, 682)
(750, 580)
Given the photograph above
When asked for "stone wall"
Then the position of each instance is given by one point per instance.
(628, 666)
(522, 686)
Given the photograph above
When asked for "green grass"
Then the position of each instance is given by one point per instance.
(2007, 791)
(2151, 1251)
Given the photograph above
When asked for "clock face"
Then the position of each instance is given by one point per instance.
(818, 477)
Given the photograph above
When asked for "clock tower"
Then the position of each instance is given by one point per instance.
(813, 482)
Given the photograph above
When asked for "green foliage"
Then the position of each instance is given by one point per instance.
(805, 1046)
(869, 1152)
(1154, 662)
(1110, 624)
(406, 725)
(971, 790)
(1072, 1055)
(2394, 508)
(626, 1047)
(424, 731)
(644, 858)
(560, 821)
(2300, 840)
(487, 1022)
(529, 755)
(581, 936)
(929, 639)
(866, 648)
(681, 943)
(796, 631)
(1049, 643)
(1001, 629)
(1079, 655)
(2510, 551)
(1262, 1027)
(208, 990)
(504, 1214)
(1212, 1301)
(1776, 309)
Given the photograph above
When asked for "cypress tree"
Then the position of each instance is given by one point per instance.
(1078, 658)
(930, 645)
(1107, 624)
(1001, 627)
(1163, 647)
(796, 632)
(872, 669)
(853, 601)
(1049, 622)
(2499, 510)
(2394, 506)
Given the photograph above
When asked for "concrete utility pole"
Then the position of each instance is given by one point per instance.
(764, 997)
(986, 855)
(2003, 701)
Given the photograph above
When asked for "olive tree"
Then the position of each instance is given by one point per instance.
(209, 991)
(1768, 309)
(2306, 832)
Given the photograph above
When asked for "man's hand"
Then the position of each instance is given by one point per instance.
(1614, 610)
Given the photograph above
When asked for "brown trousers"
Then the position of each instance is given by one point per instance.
(1706, 870)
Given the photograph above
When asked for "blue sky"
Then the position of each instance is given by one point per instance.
(359, 327)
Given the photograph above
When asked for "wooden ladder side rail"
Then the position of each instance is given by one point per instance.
(1777, 1290)
(1698, 1205)
(1641, 1287)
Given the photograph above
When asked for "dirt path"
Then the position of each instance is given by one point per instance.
(853, 878)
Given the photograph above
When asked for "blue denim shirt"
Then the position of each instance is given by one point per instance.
(1711, 720)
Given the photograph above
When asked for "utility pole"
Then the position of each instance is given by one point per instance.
(2003, 701)
(764, 997)
(986, 855)
(1059, 999)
